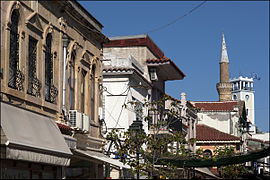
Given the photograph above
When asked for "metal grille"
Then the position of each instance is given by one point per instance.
(34, 84)
(48, 68)
(14, 51)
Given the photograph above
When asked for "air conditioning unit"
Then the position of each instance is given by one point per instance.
(75, 119)
(153, 74)
(86, 123)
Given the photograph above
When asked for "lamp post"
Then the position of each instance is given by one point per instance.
(134, 128)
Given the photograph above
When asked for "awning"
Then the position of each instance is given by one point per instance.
(103, 158)
(32, 137)
(207, 172)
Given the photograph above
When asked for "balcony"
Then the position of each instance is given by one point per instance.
(51, 93)
(34, 87)
(16, 80)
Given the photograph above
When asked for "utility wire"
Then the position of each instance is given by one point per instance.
(121, 111)
(177, 19)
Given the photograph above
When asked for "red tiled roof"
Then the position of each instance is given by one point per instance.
(177, 100)
(172, 98)
(216, 105)
(128, 69)
(207, 133)
(143, 41)
(163, 60)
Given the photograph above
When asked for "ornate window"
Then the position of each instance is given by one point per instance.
(71, 81)
(34, 84)
(92, 95)
(48, 67)
(16, 77)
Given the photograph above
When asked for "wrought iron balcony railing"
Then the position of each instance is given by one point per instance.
(51, 93)
(16, 80)
(34, 86)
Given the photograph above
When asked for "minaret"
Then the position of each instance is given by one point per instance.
(224, 87)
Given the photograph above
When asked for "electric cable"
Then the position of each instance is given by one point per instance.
(121, 111)
(177, 19)
(105, 89)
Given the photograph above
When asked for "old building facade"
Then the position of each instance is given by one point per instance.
(51, 69)
(187, 119)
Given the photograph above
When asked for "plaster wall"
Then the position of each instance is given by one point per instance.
(123, 91)
(226, 122)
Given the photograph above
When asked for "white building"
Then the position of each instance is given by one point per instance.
(123, 81)
(134, 69)
(243, 90)
(223, 116)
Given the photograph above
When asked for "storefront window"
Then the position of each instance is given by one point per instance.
(7, 173)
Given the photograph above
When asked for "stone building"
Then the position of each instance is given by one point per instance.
(51, 71)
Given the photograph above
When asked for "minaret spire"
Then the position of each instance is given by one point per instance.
(224, 87)
(224, 54)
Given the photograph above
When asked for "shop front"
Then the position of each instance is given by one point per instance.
(32, 146)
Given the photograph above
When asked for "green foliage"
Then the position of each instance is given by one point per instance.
(234, 171)
(151, 147)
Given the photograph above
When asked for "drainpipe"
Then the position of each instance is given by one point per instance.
(65, 41)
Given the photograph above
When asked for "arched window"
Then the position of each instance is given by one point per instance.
(48, 67)
(93, 88)
(83, 90)
(207, 153)
(71, 81)
(13, 50)
(34, 84)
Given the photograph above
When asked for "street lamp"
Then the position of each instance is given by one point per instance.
(134, 128)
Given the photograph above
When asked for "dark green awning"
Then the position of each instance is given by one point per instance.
(237, 159)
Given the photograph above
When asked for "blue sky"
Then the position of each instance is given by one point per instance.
(194, 42)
